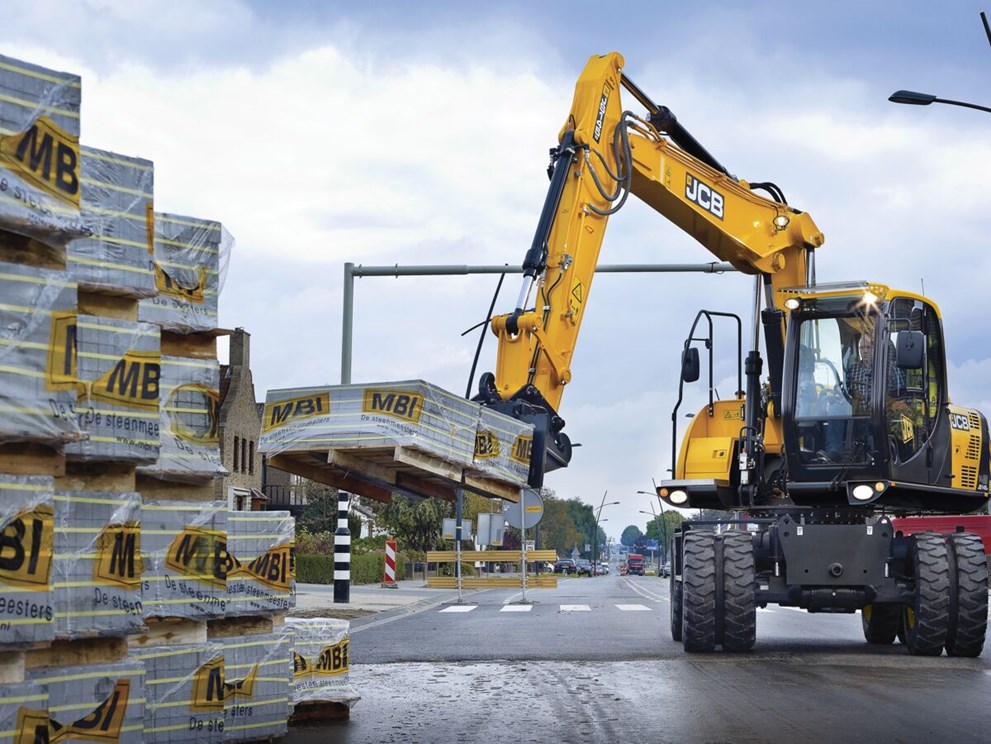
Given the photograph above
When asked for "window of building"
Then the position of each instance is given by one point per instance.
(237, 453)
(244, 452)
(251, 457)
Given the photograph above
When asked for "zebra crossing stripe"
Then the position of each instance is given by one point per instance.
(516, 608)
(633, 608)
(459, 608)
(575, 608)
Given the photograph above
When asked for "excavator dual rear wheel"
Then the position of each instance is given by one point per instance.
(968, 605)
(739, 592)
(926, 620)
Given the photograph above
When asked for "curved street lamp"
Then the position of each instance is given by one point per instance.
(653, 514)
(595, 530)
(912, 98)
(664, 523)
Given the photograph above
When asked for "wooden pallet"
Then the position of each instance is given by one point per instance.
(318, 712)
(155, 488)
(378, 472)
(102, 650)
(233, 627)
(20, 249)
(109, 477)
(169, 631)
(117, 307)
(11, 667)
(31, 458)
(199, 345)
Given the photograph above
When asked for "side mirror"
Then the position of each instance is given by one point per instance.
(690, 365)
(909, 349)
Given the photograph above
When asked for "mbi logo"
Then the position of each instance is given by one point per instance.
(26, 543)
(208, 687)
(118, 555)
(522, 449)
(275, 567)
(104, 724)
(486, 445)
(333, 661)
(46, 157)
(282, 412)
(200, 554)
(396, 403)
(173, 287)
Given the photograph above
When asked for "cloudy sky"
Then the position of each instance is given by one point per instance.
(408, 133)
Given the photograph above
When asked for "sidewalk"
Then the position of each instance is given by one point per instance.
(368, 598)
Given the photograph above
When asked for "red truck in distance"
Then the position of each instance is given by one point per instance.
(634, 564)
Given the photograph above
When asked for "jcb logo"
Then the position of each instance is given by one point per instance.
(486, 445)
(26, 548)
(194, 413)
(104, 724)
(208, 687)
(395, 403)
(201, 554)
(333, 661)
(274, 568)
(960, 421)
(709, 199)
(171, 286)
(46, 157)
(522, 449)
(133, 381)
(284, 411)
(118, 555)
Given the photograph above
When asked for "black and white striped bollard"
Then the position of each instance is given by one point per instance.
(342, 551)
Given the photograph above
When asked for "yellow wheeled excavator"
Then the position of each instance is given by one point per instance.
(850, 425)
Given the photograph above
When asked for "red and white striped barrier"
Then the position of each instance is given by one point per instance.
(389, 582)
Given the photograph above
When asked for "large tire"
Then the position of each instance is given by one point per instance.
(968, 607)
(699, 592)
(677, 598)
(739, 592)
(881, 623)
(927, 618)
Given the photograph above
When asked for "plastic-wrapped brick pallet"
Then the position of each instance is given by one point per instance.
(411, 413)
(27, 521)
(118, 366)
(117, 195)
(257, 670)
(262, 579)
(502, 447)
(38, 386)
(184, 547)
(108, 698)
(98, 566)
(189, 430)
(321, 661)
(184, 693)
(23, 713)
(40, 180)
(191, 258)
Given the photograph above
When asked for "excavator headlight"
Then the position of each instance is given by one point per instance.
(781, 221)
(863, 492)
(870, 298)
(678, 497)
(793, 303)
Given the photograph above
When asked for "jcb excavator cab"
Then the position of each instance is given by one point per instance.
(864, 401)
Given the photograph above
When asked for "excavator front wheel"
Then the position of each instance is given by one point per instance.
(677, 595)
(880, 622)
(698, 623)
(927, 618)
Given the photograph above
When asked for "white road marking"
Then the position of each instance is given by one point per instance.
(575, 608)
(633, 608)
(516, 608)
(644, 592)
(459, 608)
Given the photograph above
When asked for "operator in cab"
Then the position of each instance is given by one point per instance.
(860, 376)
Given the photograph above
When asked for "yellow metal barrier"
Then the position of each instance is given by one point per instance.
(533, 581)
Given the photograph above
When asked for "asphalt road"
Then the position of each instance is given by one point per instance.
(593, 661)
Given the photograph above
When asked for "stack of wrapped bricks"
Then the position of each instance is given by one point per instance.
(122, 607)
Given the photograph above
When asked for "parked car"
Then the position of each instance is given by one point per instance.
(602, 569)
(584, 567)
(566, 567)
(666, 570)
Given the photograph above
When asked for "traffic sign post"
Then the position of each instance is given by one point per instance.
(521, 516)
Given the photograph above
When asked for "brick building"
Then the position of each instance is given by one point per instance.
(240, 428)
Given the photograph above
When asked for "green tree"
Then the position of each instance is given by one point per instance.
(415, 523)
(630, 536)
(557, 530)
(320, 514)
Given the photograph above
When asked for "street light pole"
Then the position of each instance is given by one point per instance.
(664, 523)
(654, 515)
(595, 530)
(912, 98)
